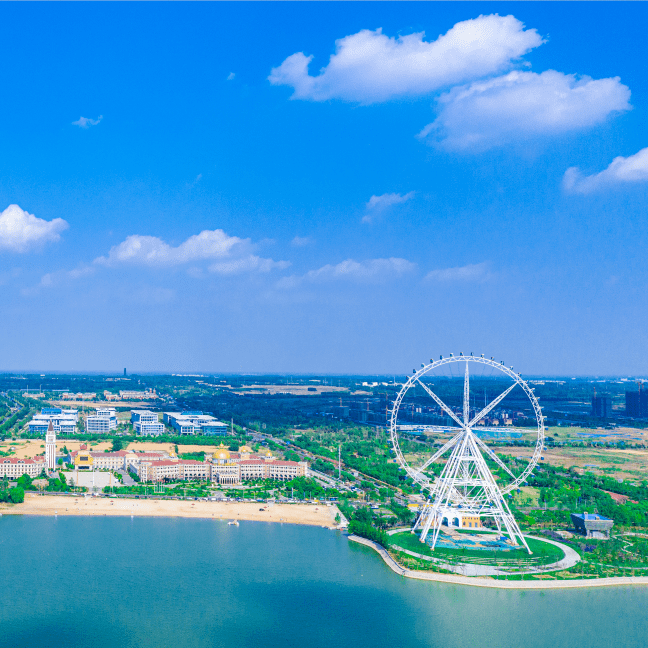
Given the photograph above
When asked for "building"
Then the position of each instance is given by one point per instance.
(13, 467)
(636, 403)
(457, 519)
(187, 423)
(592, 525)
(78, 396)
(156, 471)
(103, 422)
(602, 406)
(83, 459)
(63, 421)
(50, 447)
(223, 467)
(146, 423)
(148, 394)
(119, 460)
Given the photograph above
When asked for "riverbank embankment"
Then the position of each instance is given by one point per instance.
(500, 584)
(311, 514)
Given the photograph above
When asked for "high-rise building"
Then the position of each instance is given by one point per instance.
(637, 403)
(602, 406)
(50, 447)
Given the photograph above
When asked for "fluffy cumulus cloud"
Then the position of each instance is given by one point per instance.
(370, 67)
(86, 122)
(228, 254)
(21, 231)
(378, 204)
(371, 270)
(622, 171)
(476, 272)
(523, 105)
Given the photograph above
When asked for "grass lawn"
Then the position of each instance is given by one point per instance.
(543, 552)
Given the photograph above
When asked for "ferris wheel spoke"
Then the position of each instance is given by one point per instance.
(466, 397)
(503, 428)
(408, 427)
(440, 452)
(496, 402)
(493, 456)
(441, 404)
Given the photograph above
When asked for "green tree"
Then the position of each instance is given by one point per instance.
(117, 444)
(24, 482)
(17, 495)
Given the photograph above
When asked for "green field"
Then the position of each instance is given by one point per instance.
(543, 552)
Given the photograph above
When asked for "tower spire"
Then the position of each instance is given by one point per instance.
(50, 447)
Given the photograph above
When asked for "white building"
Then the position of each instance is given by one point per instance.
(146, 423)
(63, 421)
(195, 423)
(102, 422)
(13, 467)
(149, 429)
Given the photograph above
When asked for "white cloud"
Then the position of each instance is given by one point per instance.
(523, 105)
(378, 204)
(250, 263)
(229, 254)
(86, 122)
(21, 231)
(301, 241)
(622, 171)
(369, 66)
(477, 272)
(372, 270)
(230, 76)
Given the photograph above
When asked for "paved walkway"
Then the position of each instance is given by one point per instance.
(484, 582)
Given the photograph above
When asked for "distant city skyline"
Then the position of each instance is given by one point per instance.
(323, 188)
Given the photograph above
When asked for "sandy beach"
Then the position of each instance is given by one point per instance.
(315, 515)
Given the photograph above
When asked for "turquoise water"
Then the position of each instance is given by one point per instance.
(122, 582)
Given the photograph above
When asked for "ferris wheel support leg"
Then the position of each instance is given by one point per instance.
(513, 528)
(437, 528)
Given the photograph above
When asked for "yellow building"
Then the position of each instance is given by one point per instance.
(471, 522)
(84, 460)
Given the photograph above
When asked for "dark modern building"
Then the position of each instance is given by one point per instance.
(592, 525)
(637, 403)
(602, 406)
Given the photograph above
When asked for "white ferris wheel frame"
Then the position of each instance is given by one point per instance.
(417, 474)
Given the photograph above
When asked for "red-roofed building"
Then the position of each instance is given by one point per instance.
(13, 467)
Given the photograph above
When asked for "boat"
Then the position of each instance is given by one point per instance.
(233, 522)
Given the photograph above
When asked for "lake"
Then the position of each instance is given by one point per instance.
(116, 582)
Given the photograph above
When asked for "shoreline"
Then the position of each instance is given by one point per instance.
(60, 505)
(486, 582)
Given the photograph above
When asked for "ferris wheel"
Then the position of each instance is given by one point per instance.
(465, 487)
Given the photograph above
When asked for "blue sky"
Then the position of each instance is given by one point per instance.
(336, 187)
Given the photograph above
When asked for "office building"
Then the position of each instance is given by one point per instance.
(103, 421)
(187, 423)
(63, 421)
